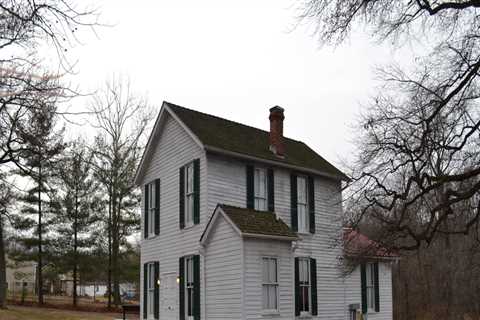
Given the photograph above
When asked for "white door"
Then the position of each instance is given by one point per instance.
(168, 296)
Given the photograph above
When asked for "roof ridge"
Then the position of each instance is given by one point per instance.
(228, 120)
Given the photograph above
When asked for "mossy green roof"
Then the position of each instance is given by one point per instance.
(239, 138)
(254, 222)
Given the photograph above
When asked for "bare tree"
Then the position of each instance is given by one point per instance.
(419, 159)
(122, 119)
(24, 26)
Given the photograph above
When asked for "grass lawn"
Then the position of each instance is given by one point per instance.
(32, 313)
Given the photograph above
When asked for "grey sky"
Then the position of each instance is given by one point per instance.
(235, 59)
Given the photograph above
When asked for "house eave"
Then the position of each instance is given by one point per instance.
(216, 150)
(378, 258)
(267, 236)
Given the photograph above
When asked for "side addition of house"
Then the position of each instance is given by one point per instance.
(238, 223)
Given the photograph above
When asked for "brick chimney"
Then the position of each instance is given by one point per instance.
(276, 131)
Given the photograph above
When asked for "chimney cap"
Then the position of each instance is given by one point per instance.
(277, 109)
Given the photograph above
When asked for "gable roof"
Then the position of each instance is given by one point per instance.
(234, 137)
(251, 223)
(357, 244)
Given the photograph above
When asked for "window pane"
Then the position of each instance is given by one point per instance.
(273, 270)
(301, 190)
(265, 270)
(272, 295)
(263, 184)
(189, 178)
(265, 296)
(368, 272)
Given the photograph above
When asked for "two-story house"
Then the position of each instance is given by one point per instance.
(238, 223)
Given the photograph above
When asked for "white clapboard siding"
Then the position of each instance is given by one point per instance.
(224, 268)
(255, 250)
(353, 291)
(173, 149)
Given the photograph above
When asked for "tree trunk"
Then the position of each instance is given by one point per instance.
(109, 227)
(3, 269)
(75, 246)
(115, 249)
(39, 267)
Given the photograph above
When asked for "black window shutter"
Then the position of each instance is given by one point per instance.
(313, 280)
(297, 288)
(196, 190)
(377, 292)
(293, 202)
(196, 287)
(363, 274)
(271, 190)
(250, 187)
(182, 198)
(145, 291)
(145, 216)
(156, 306)
(311, 203)
(181, 287)
(157, 206)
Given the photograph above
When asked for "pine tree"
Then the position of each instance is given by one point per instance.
(42, 148)
(77, 205)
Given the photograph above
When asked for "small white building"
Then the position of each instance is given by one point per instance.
(21, 277)
(92, 289)
(238, 223)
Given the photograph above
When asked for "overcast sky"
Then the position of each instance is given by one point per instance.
(235, 59)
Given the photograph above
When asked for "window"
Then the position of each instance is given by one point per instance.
(260, 188)
(151, 208)
(150, 290)
(370, 286)
(189, 194)
(305, 285)
(189, 287)
(302, 205)
(270, 284)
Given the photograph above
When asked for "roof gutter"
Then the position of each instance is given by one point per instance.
(272, 162)
(266, 236)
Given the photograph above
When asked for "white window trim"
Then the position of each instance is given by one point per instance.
(257, 197)
(303, 228)
(369, 270)
(189, 195)
(150, 290)
(309, 277)
(151, 209)
(277, 284)
(189, 285)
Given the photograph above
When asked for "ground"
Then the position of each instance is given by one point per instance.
(33, 313)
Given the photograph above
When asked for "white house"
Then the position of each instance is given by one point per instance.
(238, 224)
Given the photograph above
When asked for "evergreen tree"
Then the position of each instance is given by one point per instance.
(76, 207)
(42, 148)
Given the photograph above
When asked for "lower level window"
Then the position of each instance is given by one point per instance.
(270, 284)
(189, 286)
(305, 285)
